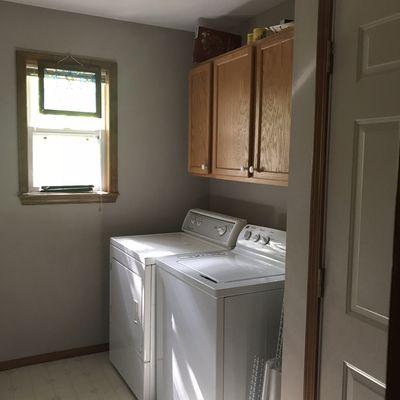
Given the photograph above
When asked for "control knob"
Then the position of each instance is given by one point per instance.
(255, 237)
(221, 230)
(247, 235)
(265, 240)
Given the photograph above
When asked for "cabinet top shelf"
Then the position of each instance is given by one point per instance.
(278, 36)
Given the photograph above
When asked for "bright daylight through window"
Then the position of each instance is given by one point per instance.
(66, 149)
(67, 127)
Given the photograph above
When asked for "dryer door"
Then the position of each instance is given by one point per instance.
(126, 336)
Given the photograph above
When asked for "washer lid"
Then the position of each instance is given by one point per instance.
(228, 267)
(225, 273)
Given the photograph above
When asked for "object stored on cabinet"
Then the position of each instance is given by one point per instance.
(210, 43)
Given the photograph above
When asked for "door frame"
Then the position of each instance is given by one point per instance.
(393, 353)
(324, 62)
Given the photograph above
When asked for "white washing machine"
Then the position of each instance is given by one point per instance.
(218, 318)
(132, 306)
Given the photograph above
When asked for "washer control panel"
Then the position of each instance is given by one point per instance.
(263, 240)
(218, 228)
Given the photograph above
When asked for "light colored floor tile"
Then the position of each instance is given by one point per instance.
(89, 377)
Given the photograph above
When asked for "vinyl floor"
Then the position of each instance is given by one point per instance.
(90, 377)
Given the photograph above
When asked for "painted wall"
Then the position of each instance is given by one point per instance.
(53, 264)
(298, 216)
(271, 17)
(260, 204)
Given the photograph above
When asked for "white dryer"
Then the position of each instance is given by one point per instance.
(218, 318)
(132, 283)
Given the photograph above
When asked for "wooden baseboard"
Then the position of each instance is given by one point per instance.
(57, 355)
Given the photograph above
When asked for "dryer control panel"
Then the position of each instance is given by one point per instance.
(218, 228)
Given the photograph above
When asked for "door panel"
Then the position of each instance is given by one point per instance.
(362, 182)
(374, 182)
(361, 386)
(233, 91)
(273, 107)
(200, 118)
(126, 307)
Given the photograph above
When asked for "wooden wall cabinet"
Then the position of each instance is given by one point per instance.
(248, 124)
(233, 109)
(274, 60)
(200, 119)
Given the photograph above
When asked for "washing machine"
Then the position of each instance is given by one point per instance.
(218, 317)
(132, 283)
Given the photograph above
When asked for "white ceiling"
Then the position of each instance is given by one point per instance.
(178, 14)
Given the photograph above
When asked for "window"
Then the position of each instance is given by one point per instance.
(67, 129)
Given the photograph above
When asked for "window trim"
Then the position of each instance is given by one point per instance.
(24, 58)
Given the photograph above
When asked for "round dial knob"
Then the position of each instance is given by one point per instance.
(256, 237)
(247, 235)
(265, 240)
(221, 230)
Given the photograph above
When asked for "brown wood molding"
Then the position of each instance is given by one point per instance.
(393, 355)
(67, 198)
(318, 200)
(274, 180)
(57, 355)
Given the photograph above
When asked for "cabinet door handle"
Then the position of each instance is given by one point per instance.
(244, 168)
(204, 167)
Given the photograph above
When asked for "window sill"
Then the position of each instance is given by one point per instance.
(34, 198)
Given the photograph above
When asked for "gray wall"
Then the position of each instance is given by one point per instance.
(53, 264)
(271, 17)
(298, 217)
(260, 204)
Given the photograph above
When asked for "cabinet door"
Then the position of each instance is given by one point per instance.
(273, 108)
(200, 117)
(233, 81)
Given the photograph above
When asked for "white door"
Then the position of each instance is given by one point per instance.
(364, 158)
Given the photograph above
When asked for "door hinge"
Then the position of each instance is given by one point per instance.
(330, 57)
(321, 282)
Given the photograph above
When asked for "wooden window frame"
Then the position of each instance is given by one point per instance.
(110, 194)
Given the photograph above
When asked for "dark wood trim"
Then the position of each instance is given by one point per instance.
(318, 199)
(392, 374)
(57, 355)
(274, 180)
(22, 124)
(37, 198)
